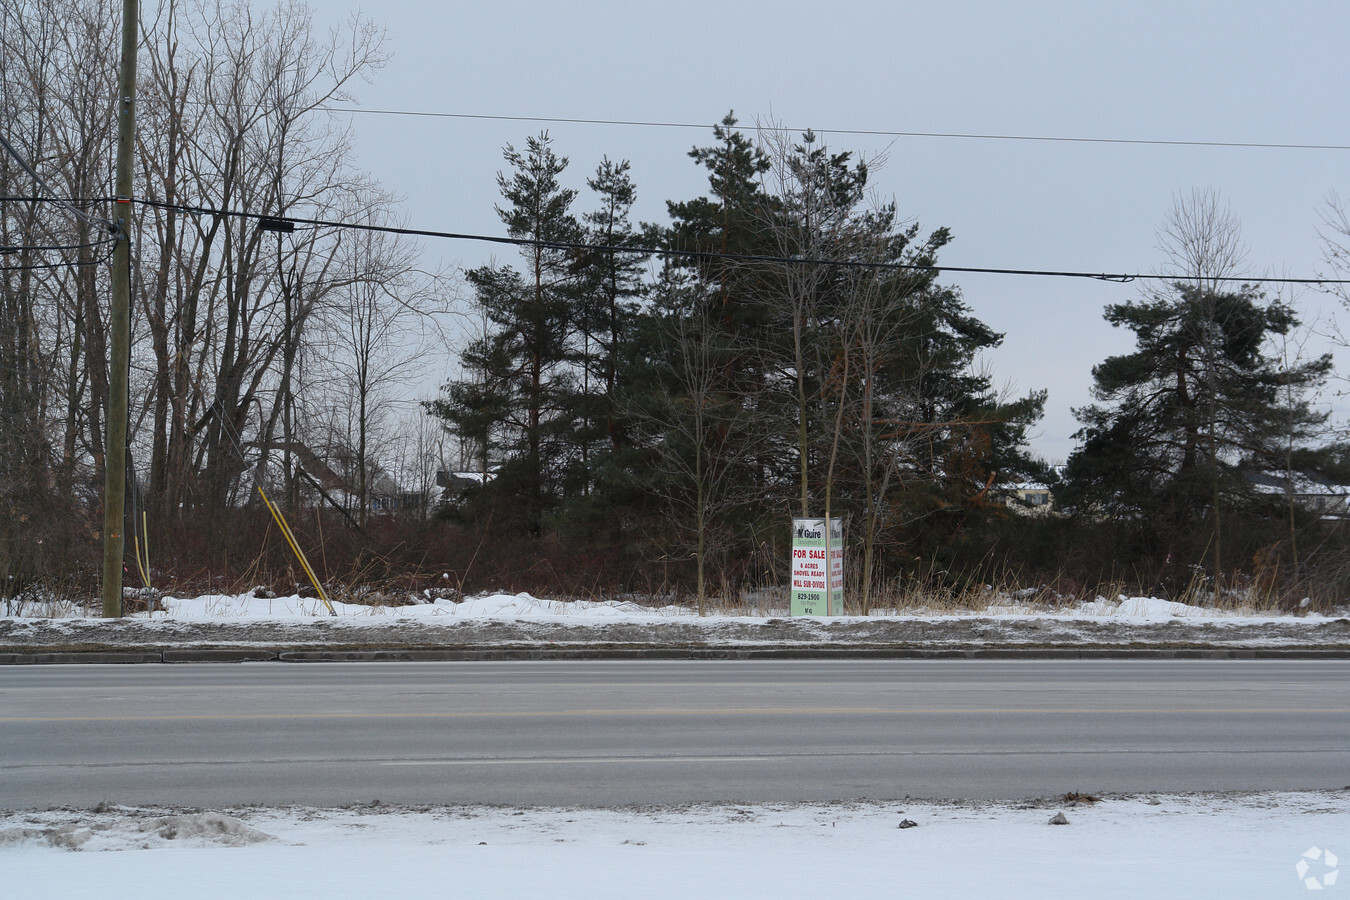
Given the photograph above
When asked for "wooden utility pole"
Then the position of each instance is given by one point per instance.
(119, 324)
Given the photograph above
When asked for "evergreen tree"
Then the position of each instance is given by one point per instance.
(725, 223)
(612, 284)
(879, 362)
(724, 296)
(522, 377)
(603, 494)
(1186, 418)
(843, 385)
(953, 439)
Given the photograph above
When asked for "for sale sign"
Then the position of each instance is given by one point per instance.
(817, 567)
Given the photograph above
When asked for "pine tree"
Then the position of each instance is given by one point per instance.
(831, 380)
(725, 223)
(705, 327)
(602, 491)
(893, 421)
(1183, 420)
(521, 374)
(612, 286)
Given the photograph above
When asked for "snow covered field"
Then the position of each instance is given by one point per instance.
(522, 622)
(248, 607)
(1215, 845)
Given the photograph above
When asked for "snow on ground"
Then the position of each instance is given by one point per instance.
(516, 606)
(248, 607)
(1212, 845)
(519, 621)
(487, 606)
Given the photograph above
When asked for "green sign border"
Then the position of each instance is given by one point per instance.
(805, 602)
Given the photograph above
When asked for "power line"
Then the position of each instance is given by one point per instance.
(37, 198)
(710, 255)
(53, 247)
(30, 267)
(37, 179)
(8, 249)
(864, 132)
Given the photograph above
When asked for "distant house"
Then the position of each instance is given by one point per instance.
(1029, 496)
(383, 493)
(1032, 497)
(1310, 492)
(311, 464)
(387, 496)
(455, 485)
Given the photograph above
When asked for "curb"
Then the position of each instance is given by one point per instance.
(309, 654)
(150, 656)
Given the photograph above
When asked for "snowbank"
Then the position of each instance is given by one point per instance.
(250, 608)
(1263, 845)
(124, 832)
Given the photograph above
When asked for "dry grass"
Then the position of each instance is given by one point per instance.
(934, 592)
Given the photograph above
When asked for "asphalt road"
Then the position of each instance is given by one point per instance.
(609, 733)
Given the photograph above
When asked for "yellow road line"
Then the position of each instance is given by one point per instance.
(607, 760)
(764, 711)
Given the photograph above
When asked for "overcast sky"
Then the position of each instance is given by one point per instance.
(1273, 72)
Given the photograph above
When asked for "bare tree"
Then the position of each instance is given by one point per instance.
(54, 78)
(419, 453)
(1201, 240)
(703, 429)
(234, 121)
(853, 331)
(1334, 230)
(1202, 246)
(807, 206)
(373, 342)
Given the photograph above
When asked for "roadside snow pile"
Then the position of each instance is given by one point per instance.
(1152, 609)
(131, 829)
(525, 606)
(1202, 845)
(491, 606)
(1140, 609)
(250, 607)
(518, 605)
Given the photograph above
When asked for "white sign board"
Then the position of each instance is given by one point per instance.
(817, 568)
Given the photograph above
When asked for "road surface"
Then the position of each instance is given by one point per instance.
(655, 732)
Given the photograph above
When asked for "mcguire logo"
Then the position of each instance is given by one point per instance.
(814, 529)
(1317, 869)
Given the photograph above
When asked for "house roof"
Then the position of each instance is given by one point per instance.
(1303, 484)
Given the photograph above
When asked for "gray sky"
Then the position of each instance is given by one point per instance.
(1192, 71)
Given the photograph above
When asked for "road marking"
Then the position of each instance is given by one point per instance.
(309, 761)
(607, 760)
(711, 711)
(850, 754)
(563, 713)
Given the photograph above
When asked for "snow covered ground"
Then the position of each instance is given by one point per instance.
(1214, 845)
(522, 622)
(249, 607)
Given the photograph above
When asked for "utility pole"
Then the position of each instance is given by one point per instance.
(284, 226)
(119, 324)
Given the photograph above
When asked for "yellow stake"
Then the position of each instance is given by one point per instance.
(295, 547)
(144, 569)
(136, 541)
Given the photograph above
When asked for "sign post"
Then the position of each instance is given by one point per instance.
(817, 567)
